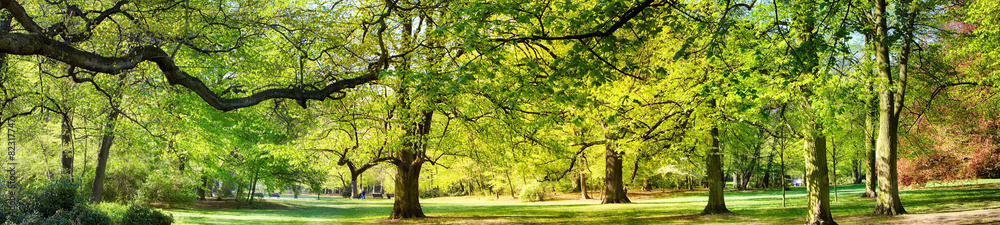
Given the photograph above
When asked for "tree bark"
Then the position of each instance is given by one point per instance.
(201, 190)
(408, 164)
(613, 185)
(716, 184)
(407, 203)
(67, 143)
(817, 182)
(886, 146)
(354, 186)
(102, 158)
(583, 187)
(870, 174)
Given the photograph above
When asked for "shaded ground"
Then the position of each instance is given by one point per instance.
(928, 206)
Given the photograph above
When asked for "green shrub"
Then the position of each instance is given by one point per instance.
(455, 189)
(114, 211)
(59, 194)
(533, 192)
(59, 218)
(172, 189)
(82, 214)
(143, 215)
(431, 193)
(345, 192)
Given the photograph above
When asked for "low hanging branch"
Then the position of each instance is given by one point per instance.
(37, 43)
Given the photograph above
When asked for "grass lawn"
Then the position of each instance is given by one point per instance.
(751, 207)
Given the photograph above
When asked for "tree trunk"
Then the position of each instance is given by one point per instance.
(102, 157)
(204, 185)
(833, 150)
(510, 184)
(716, 184)
(583, 187)
(407, 203)
(817, 182)
(613, 185)
(408, 163)
(354, 186)
(67, 144)
(885, 154)
(784, 186)
(870, 182)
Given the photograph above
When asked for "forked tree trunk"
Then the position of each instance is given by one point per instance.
(613, 185)
(408, 163)
(102, 158)
(888, 192)
(817, 180)
(716, 184)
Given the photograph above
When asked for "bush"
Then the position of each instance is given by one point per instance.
(82, 214)
(123, 184)
(533, 192)
(345, 192)
(431, 193)
(59, 218)
(455, 189)
(168, 188)
(114, 211)
(60, 194)
(143, 215)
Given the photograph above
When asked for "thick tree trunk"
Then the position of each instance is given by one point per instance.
(102, 158)
(354, 186)
(613, 185)
(67, 144)
(886, 146)
(817, 182)
(407, 204)
(408, 163)
(716, 184)
(583, 187)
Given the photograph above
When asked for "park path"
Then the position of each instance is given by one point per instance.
(987, 216)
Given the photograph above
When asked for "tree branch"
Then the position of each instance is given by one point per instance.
(37, 44)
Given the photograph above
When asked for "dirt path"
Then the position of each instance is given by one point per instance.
(988, 216)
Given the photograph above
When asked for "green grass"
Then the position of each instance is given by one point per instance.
(757, 207)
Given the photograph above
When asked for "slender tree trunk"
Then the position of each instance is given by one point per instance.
(583, 187)
(834, 151)
(817, 182)
(510, 184)
(67, 143)
(102, 157)
(613, 185)
(871, 183)
(783, 184)
(716, 184)
(870, 174)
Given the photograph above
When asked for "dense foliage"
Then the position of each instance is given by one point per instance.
(175, 101)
